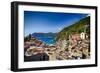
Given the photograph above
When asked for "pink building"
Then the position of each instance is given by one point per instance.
(75, 37)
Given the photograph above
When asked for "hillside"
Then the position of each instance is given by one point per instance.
(78, 27)
(50, 34)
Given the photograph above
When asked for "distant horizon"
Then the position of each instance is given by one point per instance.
(49, 22)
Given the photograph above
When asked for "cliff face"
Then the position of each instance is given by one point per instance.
(81, 26)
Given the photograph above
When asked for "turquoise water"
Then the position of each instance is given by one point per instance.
(48, 39)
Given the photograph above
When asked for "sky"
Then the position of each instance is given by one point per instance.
(45, 22)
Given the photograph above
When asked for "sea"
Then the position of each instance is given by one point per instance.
(47, 39)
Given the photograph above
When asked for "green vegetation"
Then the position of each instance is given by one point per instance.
(82, 26)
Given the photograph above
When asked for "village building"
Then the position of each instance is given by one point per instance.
(83, 35)
(76, 37)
